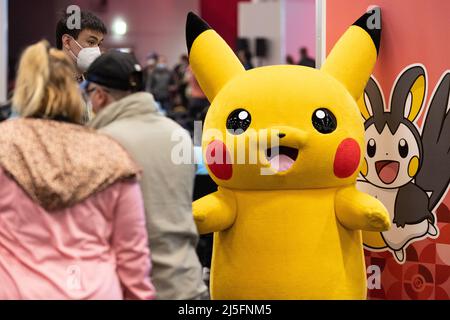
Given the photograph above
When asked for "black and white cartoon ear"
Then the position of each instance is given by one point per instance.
(371, 102)
(408, 95)
(434, 175)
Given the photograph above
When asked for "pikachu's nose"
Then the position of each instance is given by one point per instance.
(289, 136)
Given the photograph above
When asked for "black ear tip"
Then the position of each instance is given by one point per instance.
(194, 27)
(191, 17)
(371, 23)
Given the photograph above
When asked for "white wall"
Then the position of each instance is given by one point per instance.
(288, 24)
(263, 20)
(3, 49)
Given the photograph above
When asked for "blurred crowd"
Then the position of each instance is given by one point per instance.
(176, 90)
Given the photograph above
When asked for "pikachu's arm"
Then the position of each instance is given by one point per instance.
(359, 211)
(215, 212)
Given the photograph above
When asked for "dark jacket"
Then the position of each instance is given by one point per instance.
(5, 111)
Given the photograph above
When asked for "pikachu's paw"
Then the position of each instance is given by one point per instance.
(199, 216)
(378, 220)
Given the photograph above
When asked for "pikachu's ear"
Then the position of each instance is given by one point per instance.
(352, 59)
(211, 59)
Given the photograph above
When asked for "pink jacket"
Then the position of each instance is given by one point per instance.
(94, 250)
(72, 223)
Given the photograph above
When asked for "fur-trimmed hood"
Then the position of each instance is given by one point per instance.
(60, 164)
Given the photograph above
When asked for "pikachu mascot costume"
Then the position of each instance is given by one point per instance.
(287, 217)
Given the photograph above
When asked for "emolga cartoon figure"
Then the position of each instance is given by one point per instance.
(287, 225)
(407, 170)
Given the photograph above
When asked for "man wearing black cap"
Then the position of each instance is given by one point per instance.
(114, 87)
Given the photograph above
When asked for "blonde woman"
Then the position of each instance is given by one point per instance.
(72, 221)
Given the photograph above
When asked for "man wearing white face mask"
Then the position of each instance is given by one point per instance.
(81, 45)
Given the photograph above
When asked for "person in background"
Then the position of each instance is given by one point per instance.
(305, 59)
(290, 59)
(198, 103)
(82, 46)
(245, 57)
(71, 215)
(150, 65)
(180, 79)
(5, 110)
(113, 86)
(162, 84)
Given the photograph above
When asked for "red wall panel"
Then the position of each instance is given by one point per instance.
(222, 16)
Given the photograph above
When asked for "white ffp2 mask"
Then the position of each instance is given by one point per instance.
(86, 56)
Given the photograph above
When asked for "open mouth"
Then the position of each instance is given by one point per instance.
(281, 158)
(387, 170)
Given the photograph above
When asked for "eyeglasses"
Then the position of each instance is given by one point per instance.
(87, 91)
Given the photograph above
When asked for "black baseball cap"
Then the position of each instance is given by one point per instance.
(116, 70)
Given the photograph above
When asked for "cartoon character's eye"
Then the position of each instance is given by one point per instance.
(324, 121)
(238, 121)
(371, 148)
(403, 148)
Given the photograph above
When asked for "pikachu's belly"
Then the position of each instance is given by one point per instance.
(287, 245)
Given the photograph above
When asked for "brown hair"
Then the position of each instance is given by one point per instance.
(46, 87)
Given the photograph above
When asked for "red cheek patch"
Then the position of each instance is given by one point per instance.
(346, 160)
(218, 160)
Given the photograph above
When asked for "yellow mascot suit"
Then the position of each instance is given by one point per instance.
(284, 144)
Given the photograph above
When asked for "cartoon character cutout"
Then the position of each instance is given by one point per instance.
(407, 170)
(295, 232)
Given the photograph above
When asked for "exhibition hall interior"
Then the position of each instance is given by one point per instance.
(224, 150)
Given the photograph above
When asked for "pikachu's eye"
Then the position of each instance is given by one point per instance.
(324, 121)
(403, 148)
(238, 121)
